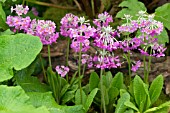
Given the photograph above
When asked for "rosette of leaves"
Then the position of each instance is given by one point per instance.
(111, 86)
(142, 97)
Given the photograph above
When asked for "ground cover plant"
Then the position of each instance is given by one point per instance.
(61, 90)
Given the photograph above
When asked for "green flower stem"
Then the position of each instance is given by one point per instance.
(129, 67)
(84, 67)
(67, 55)
(79, 68)
(49, 56)
(42, 65)
(23, 2)
(144, 63)
(149, 67)
(102, 93)
(92, 4)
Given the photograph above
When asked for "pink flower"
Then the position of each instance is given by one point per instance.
(62, 70)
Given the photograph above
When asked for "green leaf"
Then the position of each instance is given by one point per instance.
(163, 108)
(78, 99)
(30, 83)
(90, 98)
(139, 92)
(108, 78)
(14, 100)
(129, 111)
(156, 88)
(67, 96)
(113, 93)
(18, 52)
(117, 81)
(130, 7)
(94, 80)
(163, 37)
(121, 108)
(46, 99)
(131, 105)
(162, 14)
(7, 32)
(3, 24)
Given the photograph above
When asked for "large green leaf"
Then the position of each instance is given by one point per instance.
(14, 100)
(163, 108)
(94, 80)
(80, 97)
(46, 99)
(30, 83)
(139, 93)
(121, 108)
(131, 105)
(90, 98)
(131, 7)
(18, 52)
(117, 81)
(156, 88)
(162, 14)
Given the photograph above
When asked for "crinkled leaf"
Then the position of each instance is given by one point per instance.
(156, 88)
(117, 81)
(94, 80)
(78, 99)
(14, 100)
(90, 98)
(18, 52)
(120, 108)
(131, 105)
(130, 7)
(163, 108)
(139, 92)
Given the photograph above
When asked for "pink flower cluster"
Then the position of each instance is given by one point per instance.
(104, 62)
(136, 66)
(79, 30)
(69, 21)
(103, 20)
(62, 70)
(20, 9)
(41, 28)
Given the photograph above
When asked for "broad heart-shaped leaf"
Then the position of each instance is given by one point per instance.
(162, 14)
(163, 108)
(94, 80)
(120, 107)
(46, 99)
(90, 98)
(130, 7)
(18, 52)
(14, 100)
(117, 81)
(140, 93)
(156, 88)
